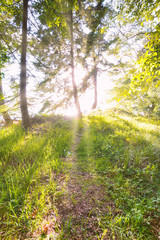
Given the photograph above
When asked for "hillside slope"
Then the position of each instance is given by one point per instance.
(95, 178)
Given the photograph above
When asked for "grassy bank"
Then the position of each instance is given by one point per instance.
(30, 163)
(123, 152)
(109, 188)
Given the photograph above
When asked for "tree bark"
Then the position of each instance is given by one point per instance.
(23, 74)
(75, 92)
(4, 112)
(95, 88)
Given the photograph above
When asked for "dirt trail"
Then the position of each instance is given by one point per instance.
(83, 203)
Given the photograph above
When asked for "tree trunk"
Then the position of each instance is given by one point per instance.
(75, 92)
(152, 107)
(95, 88)
(23, 98)
(4, 112)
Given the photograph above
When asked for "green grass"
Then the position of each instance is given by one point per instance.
(121, 152)
(29, 164)
(124, 153)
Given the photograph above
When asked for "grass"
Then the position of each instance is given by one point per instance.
(30, 162)
(121, 152)
(124, 153)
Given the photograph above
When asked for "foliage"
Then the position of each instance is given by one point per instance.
(52, 51)
(138, 89)
(123, 152)
(10, 17)
(30, 163)
(118, 152)
(147, 78)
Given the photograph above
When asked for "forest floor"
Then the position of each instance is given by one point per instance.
(96, 178)
(83, 201)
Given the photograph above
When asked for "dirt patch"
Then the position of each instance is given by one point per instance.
(83, 204)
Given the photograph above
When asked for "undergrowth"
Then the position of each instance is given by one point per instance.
(30, 162)
(124, 153)
(121, 152)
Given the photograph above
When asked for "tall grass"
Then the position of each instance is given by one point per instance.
(29, 164)
(121, 151)
(124, 153)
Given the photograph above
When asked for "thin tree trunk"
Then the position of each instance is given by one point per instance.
(4, 112)
(75, 92)
(95, 88)
(23, 98)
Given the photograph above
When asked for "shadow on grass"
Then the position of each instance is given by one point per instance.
(128, 164)
(27, 182)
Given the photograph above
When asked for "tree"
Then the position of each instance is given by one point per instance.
(56, 38)
(95, 71)
(11, 21)
(146, 80)
(3, 59)
(98, 20)
(7, 46)
(75, 92)
(23, 98)
(139, 87)
(62, 43)
(4, 110)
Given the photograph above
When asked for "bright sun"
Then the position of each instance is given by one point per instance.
(86, 100)
(104, 83)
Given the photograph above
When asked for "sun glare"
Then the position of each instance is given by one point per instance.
(104, 83)
(86, 99)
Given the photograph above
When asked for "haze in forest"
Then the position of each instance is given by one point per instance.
(79, 119)
(70, 52)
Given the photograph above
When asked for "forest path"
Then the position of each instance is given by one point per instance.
(83, 202)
